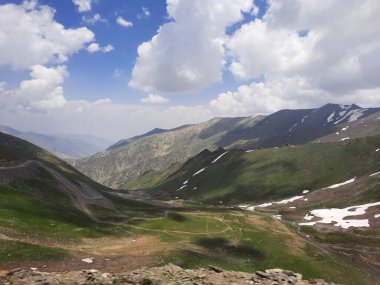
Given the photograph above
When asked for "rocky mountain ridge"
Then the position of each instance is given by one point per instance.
(140, 161)
(165, 275)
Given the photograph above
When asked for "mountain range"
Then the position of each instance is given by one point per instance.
(65, 146)
(297, 189)
(142, 161)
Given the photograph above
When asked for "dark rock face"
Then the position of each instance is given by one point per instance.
(168, 274)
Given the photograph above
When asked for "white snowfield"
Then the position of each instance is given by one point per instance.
(377, 216)
(337, 216)
(343, 183)
(305, 191)
(199, 171)
(352, 115)
(377, 149)
(220, 156)
(374, 174)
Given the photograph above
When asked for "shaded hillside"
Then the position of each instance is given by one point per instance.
(37, 188)
(237, 176)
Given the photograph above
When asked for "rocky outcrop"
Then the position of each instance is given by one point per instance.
(168, 274)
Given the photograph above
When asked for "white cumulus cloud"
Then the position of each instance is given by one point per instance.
(124, 23)
(92, 20)
(154, 99)
(188, 52)
(304, 54)
(42, 92)
(94, 47)
(29, 35)
(145, 13)
(83, 5)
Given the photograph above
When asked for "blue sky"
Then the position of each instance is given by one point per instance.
(117, 68)
(92, 76)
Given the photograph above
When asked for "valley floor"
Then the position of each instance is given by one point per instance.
(231, 239)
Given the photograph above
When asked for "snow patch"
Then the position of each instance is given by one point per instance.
(377, 216)
(292, 127)
(268, 204)
(180, 188)
(377, 149)
(356, 114)
(250, 150)
(308, 217)
(374, 174)
(220, 156)
(345, 128)
(351, 116)
(304, 118)
(199, 171)
(344, 139)
(341, 184)
(286, 201)
(331, 117)
(185, 182)
(305, 191)
(337, 216)
(307, 224)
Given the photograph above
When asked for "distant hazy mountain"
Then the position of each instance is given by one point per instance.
(143, 160)
(65, 146)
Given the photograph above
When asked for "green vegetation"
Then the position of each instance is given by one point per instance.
(36, 212)
(268, 174)
(31, 208)
(16, 251)
(246, 242)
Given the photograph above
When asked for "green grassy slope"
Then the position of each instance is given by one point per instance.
(268, 174)
(35, 208)
(246, 242)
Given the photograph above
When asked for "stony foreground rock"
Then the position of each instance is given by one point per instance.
(168, 274)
